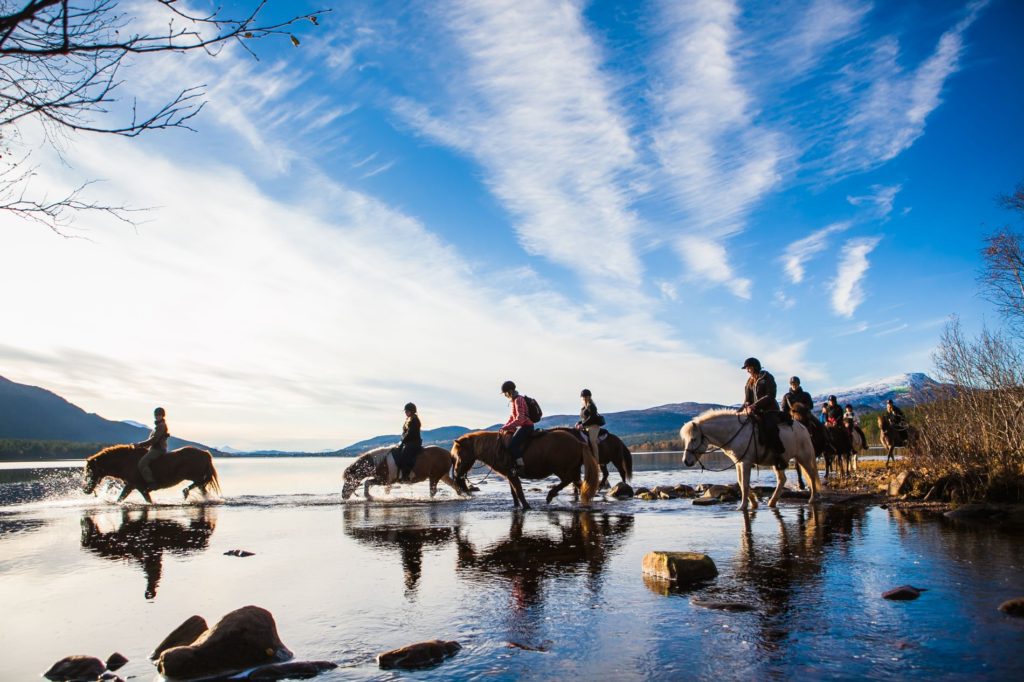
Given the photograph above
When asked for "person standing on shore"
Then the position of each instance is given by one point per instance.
(590, 421)
(412, 443)
(518, 424)
(157, 444)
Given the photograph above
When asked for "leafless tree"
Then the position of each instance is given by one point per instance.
(1002, 278)
(61, 63)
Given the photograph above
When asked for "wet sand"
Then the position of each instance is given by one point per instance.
(548, 594)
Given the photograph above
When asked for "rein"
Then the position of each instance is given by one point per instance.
(721, 448)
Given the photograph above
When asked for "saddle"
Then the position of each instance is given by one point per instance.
(582, 436)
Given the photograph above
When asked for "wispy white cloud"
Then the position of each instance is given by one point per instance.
(818, 28)
(882, 199)
(802, 250)
(718, 162)
(847, 288)
(892, 105)
(533, 107)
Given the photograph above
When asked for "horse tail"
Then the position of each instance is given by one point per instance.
(591, 475)
(627, 463)
(213, 482)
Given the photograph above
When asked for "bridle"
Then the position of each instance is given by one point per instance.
(697, 453)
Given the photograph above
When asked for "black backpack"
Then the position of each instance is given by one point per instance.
(533, 410)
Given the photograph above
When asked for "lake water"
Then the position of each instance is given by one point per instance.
(348, 580)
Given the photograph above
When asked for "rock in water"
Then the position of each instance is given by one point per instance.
(680, 567)
(1013, 607)
(76, 668)
(245, 638)
(904, 593)
(684, 490)
(295, 670)
(705, 501)
(621, 490)
(186, 633)
(238, 552)
(421, 655)
(116, 661)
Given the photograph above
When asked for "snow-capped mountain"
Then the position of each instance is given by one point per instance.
(903, 389)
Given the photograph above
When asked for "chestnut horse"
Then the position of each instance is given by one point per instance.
(378, 468)
(548, 453)
(894, 436)
(610, 450)
(122, 462)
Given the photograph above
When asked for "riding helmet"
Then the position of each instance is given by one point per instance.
(410, 407)
(508, 387)
(832, 398)
(752, 362)
(159, 412)
(585, 393)
(794, 380)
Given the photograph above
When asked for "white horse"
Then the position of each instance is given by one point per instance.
(734, 434)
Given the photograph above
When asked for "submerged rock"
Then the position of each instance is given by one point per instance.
(238, 552)
(648, 496)
(1013, 607)
(622, 490)
(975, 512)
(244, 638)
(679, 567)
(116, 661)
(721, 605)
(904, 593)
(294, 670)
(186, 633)
(420, 655)
(706, 501)
(75, 669)
(640, 491)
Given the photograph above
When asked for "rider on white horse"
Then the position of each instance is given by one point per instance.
(759, 401)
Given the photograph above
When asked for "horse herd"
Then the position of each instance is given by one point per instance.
(558, 452)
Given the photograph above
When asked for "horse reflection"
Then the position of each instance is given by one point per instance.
(142, 536)
(790, 566)
(385, 527)
(532, 555)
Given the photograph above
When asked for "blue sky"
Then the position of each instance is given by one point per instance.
(425, 199)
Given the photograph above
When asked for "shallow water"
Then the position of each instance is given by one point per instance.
(547, 594)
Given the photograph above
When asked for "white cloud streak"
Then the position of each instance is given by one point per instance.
(891, 114)
(717, 160)
(847, 288)
(882, 199)
(802, 250)
(533, 107)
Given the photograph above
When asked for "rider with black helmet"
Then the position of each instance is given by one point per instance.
(833, 412)
(796, 395)
(518, 424)
(759, 400)
(411, 445)
(590, 421)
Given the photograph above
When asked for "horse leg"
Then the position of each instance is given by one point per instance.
(743, 472)
(448, 480)
(125, 492)
(557, 488)
(517, 492)
(604, 478)
(145, 495)
(366, 488)
(433, 486)
(780, 484)
(188, 489)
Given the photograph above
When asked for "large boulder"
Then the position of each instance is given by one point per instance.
(184, 634)
(679, 567)
(245, 638)
(419, 655)
(622, 490)
(901, 483)
(75, 669)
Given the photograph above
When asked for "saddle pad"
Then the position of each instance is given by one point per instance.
(388, 458)
(585, 439)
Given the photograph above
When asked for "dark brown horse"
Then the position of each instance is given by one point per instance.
(122, 462)
(894, 435)
(549, 453)
(610, 450)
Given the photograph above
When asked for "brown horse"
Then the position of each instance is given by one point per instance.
(122, 462)
(893, 436)
(549, 453)
(610, 450)
(378, 468)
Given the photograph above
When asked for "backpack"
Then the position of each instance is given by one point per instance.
(533, 410)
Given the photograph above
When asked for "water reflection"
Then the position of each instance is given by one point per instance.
(384, 526)
(142, 536)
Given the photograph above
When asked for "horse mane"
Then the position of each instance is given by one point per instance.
(714, 412)
(120, 449)
(485, 443)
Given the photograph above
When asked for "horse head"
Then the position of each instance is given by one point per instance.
(463, 458)
(695, 443)
(90, 477)
(355, 473)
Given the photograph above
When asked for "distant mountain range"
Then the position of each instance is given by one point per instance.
(32, 413)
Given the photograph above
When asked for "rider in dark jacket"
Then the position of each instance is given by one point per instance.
(412, 443)
(759, 399)
(796, 394)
